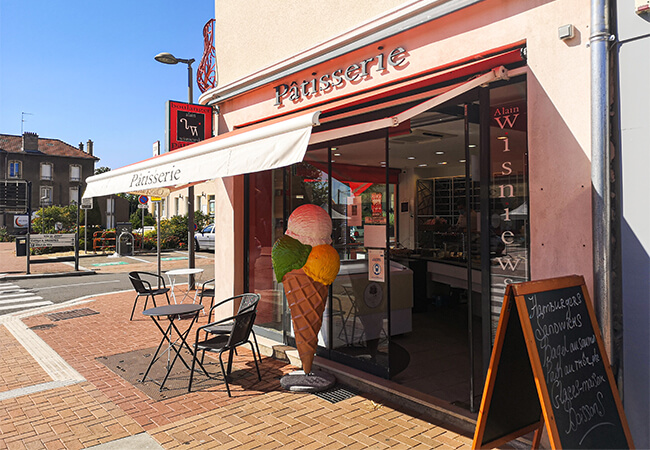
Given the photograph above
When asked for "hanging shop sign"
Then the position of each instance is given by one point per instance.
(355, 72)
(187, 123)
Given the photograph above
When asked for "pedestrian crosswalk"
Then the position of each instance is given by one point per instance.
(14, 298)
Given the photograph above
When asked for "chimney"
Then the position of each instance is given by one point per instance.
(89, 145)
(30, 142)
(81, 146)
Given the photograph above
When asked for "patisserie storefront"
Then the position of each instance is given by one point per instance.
(424, 161)
(449, 151)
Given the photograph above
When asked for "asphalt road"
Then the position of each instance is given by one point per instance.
(28, 293)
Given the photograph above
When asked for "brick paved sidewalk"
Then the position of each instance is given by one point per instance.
(48, 403)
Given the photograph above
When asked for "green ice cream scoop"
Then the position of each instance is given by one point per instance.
(288, 254)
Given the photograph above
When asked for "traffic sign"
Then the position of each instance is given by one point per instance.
(87, 203)
(141, 206)
(143, 199)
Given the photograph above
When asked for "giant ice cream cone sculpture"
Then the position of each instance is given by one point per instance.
(306, 263)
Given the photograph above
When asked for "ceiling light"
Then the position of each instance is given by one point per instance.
(462, 160)
(442, 163)
(422, 165)
(502, 138)
(410, 157)
(440, 153)
(382, 162)
(337, 154)
(472, 145)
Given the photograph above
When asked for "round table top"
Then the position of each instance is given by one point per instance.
(172, 310)
(184, 271)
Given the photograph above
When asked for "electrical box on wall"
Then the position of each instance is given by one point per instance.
(642, 6)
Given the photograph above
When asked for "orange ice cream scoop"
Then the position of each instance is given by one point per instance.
(322, 264)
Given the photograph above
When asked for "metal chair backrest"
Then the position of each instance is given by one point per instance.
(141, 286)
(248, 301)
(241, 328)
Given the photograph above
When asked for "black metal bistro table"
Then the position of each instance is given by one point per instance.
(172, 335)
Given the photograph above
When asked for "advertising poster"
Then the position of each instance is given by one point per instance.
(376, 265)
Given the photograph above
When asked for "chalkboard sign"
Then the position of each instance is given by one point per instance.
(565, 383)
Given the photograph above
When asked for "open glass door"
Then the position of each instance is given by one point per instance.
(439, 241)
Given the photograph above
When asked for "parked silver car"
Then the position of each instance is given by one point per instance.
(204, 239)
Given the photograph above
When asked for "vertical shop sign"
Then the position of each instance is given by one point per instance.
(508, 194)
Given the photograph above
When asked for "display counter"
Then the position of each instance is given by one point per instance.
(364, 302)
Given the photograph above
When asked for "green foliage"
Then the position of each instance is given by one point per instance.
(173, 231)
(136, 219)
(4, 236)
(102, 169)
(49, 216)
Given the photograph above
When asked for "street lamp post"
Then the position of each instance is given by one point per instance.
(168, 58)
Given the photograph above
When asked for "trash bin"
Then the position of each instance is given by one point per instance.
(122, 227)
(125, 244)
(21, 246)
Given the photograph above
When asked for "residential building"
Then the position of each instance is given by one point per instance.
(56, 170)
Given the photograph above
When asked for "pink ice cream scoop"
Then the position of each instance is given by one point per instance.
(311, 225)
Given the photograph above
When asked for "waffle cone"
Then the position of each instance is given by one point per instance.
(306, 299)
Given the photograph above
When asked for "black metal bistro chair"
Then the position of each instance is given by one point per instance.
(240, 329)
(207, 292)
(142, 285)
(246, 301)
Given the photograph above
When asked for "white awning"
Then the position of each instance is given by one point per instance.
(498, 73)
(268, 147)
(246, 150)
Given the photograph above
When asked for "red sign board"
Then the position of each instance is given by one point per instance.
(187, 123)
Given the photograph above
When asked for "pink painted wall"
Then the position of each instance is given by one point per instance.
(558, 109)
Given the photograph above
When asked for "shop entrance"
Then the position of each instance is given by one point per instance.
(439, 240)
(441, 206)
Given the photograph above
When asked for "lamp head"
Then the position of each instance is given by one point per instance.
(166, 58)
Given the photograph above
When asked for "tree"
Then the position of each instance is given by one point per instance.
(49, 216)
(102, 169)
(136, 219)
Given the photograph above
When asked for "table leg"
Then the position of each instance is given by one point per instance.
(155, 355)
(172, 282)
(183, 339)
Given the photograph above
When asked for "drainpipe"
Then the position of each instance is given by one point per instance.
(600, 170)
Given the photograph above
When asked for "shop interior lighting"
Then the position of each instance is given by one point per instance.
(462, 160)
(422, 165)
(337, 154)
(410, 157)
(442, 163)
(472, 146)
(440, 153)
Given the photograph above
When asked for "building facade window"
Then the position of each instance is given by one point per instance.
(74, 195)
(110, 213)
(46, 196)
(177, 206)
(211, 204)
(46, 171)
(15, 169)
(75, 172)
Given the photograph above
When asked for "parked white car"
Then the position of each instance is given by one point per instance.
(204, 239)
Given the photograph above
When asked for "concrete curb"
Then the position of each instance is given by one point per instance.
(47, 275)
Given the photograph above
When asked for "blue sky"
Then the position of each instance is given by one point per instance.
(86, 70)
